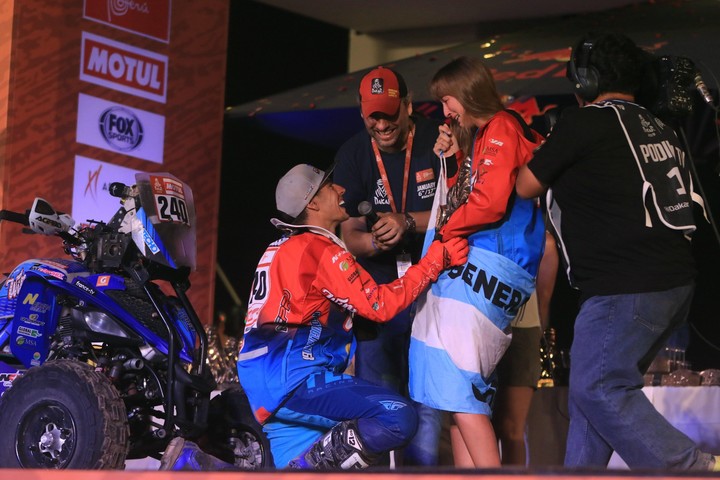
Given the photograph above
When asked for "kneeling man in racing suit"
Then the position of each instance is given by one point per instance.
(295, 352)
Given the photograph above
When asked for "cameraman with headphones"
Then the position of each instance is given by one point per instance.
(618, 175)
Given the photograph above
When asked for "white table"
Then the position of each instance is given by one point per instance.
(693, 410)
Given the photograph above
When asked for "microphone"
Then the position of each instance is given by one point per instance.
(364, 208)
(702, 88)
(447, 122)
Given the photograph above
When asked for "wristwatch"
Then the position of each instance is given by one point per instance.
(410, 226)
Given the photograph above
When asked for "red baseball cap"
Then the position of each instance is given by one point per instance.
(381, 91)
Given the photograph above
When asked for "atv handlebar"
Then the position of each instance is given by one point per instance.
(21, 218)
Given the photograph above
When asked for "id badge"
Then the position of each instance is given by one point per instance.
(403, 262)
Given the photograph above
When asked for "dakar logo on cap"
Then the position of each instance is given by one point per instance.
(377, 87)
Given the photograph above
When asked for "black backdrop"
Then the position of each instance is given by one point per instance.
(269, 51)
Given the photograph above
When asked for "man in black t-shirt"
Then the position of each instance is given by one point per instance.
(620, 197)
(391, 166)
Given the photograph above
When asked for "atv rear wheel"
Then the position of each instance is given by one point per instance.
(63, 414)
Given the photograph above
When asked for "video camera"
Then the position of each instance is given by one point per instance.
(668, 87)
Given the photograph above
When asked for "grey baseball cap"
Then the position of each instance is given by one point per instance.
(298, 186)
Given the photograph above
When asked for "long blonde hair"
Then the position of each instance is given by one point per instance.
(471, 82)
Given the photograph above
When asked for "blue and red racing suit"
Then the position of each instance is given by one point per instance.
(295, 352)
(289, 334)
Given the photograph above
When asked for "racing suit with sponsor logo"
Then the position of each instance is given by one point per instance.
(292, 344)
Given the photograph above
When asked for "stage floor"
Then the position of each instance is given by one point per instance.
(494, 474)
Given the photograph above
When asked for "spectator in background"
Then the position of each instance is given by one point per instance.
(519, 369)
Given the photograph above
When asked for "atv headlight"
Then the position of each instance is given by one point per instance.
(102, 323)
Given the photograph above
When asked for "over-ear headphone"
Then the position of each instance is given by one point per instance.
(584, 76)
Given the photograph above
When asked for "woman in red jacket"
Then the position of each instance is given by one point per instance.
(462, 327)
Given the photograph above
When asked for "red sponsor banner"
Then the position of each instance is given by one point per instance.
(123, 67)
(149, 18)
(166, 186)
(528, 108)
(556, 55)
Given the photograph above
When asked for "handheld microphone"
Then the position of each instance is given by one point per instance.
(702, 88)
(364, 208)
(447, 122)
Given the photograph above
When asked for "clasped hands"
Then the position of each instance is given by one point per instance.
(388, 230)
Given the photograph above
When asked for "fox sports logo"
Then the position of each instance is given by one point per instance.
(121, 128)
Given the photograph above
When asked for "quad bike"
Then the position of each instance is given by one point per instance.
(98, 362)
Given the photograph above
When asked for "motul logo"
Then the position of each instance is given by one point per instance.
(123, 67)
(133, 71)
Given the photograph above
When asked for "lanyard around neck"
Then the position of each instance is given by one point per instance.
(383, 172)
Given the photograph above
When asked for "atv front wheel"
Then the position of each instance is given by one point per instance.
(234, 435)
(63, 414)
